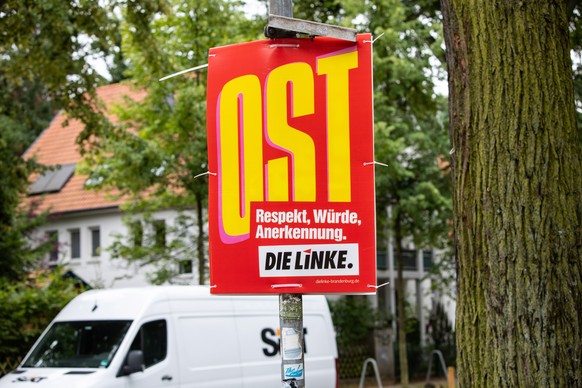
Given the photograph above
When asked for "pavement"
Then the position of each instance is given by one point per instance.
(371, 383)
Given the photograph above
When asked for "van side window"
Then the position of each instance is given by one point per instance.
(152, 340)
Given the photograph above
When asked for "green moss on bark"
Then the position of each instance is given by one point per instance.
(517, 193)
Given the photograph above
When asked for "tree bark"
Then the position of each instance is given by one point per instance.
(517, 193)
(400, 302)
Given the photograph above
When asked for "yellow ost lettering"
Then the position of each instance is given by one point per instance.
(277, 180)
(240, 139)
(241, 156)
(337, 67)
(300, 145)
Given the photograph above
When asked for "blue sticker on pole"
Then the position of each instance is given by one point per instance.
(293, 371)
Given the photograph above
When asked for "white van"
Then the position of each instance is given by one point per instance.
(184, 337)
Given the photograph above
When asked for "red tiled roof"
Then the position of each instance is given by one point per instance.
(57, 145)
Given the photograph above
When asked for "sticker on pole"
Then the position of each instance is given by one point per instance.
(290, 153)
(293, 371)
(291, 344)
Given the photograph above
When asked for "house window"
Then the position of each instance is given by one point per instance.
(53, 238)
(75, 241)
(408, 259)
(185, 266)
(136, 233)
(95, 242)
(160, 233)
(381, 260)
(427, 258)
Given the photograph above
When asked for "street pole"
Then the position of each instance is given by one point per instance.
(290, 305)
(281, 8)
(292, 356)
(283, 25)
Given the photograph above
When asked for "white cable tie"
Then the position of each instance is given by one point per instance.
(213, 286)
(376, 287)
(452, 151)
(374, 40)
(378, 37)
(290, 285)
(290, 45)
(374, 162)
(184, 72)
(205, 173)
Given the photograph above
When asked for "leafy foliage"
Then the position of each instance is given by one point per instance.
(17, 254)
(412, 192)
(322, 11)
(28, 306)
(411, 135)
(353, 319)
(45, 51)
(442, 333)
(160, 145)
(148, 247)
(50, 43)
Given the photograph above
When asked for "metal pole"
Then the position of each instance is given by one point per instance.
(290, 305)
(281, 7)
(292, 357)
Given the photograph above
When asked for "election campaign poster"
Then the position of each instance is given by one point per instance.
(290, 162)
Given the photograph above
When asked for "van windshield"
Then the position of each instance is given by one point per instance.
(79, 344)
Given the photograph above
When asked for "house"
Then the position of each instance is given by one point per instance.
(85, 223)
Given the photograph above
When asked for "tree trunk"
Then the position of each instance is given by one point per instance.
(517, 193)
(400, 287)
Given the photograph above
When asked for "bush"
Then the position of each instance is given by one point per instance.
(441, 337)
(442, 334)
(354, 320)
(26, 308)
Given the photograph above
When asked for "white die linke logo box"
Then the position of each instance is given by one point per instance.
(308, 260)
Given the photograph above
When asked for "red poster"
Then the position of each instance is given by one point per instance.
(290, 152)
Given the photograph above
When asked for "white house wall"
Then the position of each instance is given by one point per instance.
(102, 271)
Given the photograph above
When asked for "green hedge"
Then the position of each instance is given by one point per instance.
(26, 307)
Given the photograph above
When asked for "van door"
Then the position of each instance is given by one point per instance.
(157, 352)
(208, 350)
